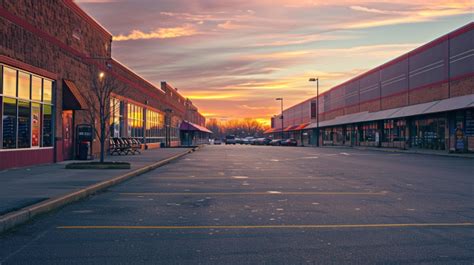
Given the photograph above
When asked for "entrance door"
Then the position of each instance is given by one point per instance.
(67, 135)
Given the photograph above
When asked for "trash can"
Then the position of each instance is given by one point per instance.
(84, 150)
(162, 145)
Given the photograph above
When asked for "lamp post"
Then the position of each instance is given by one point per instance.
(316, 79)
(281, 116)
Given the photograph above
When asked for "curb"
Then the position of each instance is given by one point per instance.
(401, 151)
(19, 217)
(416, 153)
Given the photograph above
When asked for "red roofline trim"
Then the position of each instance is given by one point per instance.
(76, 9)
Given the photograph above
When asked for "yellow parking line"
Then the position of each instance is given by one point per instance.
(329, 226)
(248, 193)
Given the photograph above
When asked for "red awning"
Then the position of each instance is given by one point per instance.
(290, 128)
(72, 97)
(302, 126)
(189, 126)
(269, 131)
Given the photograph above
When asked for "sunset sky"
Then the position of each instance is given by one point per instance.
(232, 58)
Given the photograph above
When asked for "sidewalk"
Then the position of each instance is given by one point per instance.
(23, 187)
(408, 151)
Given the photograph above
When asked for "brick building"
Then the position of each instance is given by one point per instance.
(48, 50)
(422, 99)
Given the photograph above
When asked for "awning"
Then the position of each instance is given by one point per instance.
(449, 104)
(189, 126)
(276, 130)
(412, 110)
(302, 126)
(72, 97)
(268, 131)
(290, 128)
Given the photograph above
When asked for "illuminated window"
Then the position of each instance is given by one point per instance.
(35, 124)
(135, 121)
(27, 116)
(9, 123)
(36, 88)
(24, 82)
(116, 117)
(47, 91)
(9, 82)
(155, 130)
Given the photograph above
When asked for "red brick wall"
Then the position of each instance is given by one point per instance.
(59, 20)
(430, 93)
(394, 101)
(333, 114)
(351, 109)
(462, 87)
(370, 106)
(11, 159)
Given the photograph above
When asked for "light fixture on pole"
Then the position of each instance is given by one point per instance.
(281, 116)
(316, 79)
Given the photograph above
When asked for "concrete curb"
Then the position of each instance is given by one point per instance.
(414, 152)
(387, 150)
(13, 219)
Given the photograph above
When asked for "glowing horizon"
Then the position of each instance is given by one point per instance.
(233, 58)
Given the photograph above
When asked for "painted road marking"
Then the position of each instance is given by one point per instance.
(249, 193)
(329, 226)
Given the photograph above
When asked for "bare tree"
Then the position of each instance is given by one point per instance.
(98, 98)
(237, 127)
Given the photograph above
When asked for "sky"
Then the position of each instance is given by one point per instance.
(232, 58)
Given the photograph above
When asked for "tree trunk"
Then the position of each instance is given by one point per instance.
(102, 143)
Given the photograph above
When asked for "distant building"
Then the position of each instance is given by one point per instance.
(46, 51)
(423, 99)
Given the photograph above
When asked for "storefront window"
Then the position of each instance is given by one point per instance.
(394, 131)
(174, 128)
(135, 121)
(339, 135)
(9, 123)
(154, 127)
(24, 85)
(428, 133)
(116, 117)
(327, 135)
(9, 82)
(36, 88)
(35, 124)
(369, 132)
(47, 91)
(47, 125)
(24, 124)
(27, 119)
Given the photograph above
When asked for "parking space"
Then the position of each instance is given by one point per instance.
(267, 205)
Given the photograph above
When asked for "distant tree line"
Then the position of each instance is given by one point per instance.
(238, 127)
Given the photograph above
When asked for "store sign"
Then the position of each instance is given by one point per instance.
(84, 133)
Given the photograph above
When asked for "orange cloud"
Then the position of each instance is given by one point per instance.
(231, 25)
(419, 14)
(161, 33)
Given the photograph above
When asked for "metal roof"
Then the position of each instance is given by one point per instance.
(449, 104)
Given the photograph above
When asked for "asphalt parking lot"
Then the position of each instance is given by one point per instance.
(267, 205)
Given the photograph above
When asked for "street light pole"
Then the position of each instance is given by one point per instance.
(281, 117)
(317, 107)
